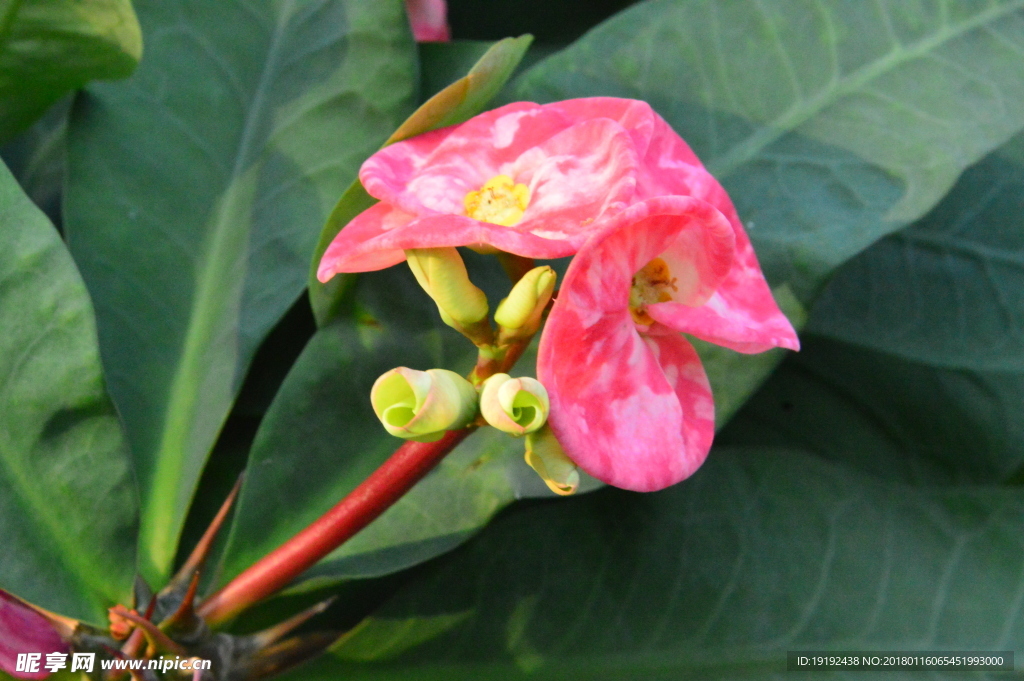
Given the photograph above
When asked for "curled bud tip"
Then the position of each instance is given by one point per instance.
(422, 405)
(442, 274)
(525, 304)
(545, 455)
(516, 406)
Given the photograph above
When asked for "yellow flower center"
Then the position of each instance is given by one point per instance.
(652, 284)
(500, 201)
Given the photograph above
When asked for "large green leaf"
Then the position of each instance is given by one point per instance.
(67, 501)
(831, 123)
(761, 552)
(196, 193)
(48, 47)
(949, 290)
(888, 416)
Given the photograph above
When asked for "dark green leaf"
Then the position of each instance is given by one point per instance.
(48, 47)
(67, 500)
(38, 158)
(888, 416)
(458, 102)
(830, 123)
(949, 290)
(762, 551)
(196, 193)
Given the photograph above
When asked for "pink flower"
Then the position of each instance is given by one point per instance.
(630, 402)
(530, 179)
(25, 631)
(429, 20)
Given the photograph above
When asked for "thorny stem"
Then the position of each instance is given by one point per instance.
(359, 508)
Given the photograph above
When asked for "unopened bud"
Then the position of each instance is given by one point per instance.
(422, 405)
(120, 626)
(520, 313)
(442, 274)
(516, 406)
(545, 455)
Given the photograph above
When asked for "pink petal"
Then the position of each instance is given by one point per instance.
(685, 372)
(23, 630)
(689, 229)
(746, 329)
(633, 411)
(347, 252)
(634, 115)
(432, 173)
(454, 230)
(742, 314)
(612, 409)
(574, 178)
(429, 20)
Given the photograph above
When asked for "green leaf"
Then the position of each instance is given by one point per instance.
(458, 102)
(893, 418)
(762, 551)
(67, 499)
(196, 193)
(37, 158)
(830, 124)
(48, 47)
(949, 290)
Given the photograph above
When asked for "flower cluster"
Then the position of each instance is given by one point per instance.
(659, 252)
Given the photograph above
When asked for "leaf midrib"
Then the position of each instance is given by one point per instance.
(804, 110)
(160, 532)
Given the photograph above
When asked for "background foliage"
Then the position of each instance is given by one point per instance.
(866, 496)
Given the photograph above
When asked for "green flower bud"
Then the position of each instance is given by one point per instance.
(422, 405)
(545, 455)
(516, 406)
(442, 274)
(520, 313)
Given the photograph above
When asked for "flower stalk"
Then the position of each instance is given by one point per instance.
(370, 499)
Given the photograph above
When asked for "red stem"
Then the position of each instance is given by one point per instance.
(373, 496)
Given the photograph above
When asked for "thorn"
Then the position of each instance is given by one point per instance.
(185, 616)
(197, 558)
(269, 636)
(142, 594)
(157, 639)
(286, 654)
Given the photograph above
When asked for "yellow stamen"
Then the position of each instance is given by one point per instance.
(650, 285)
(500, 201)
